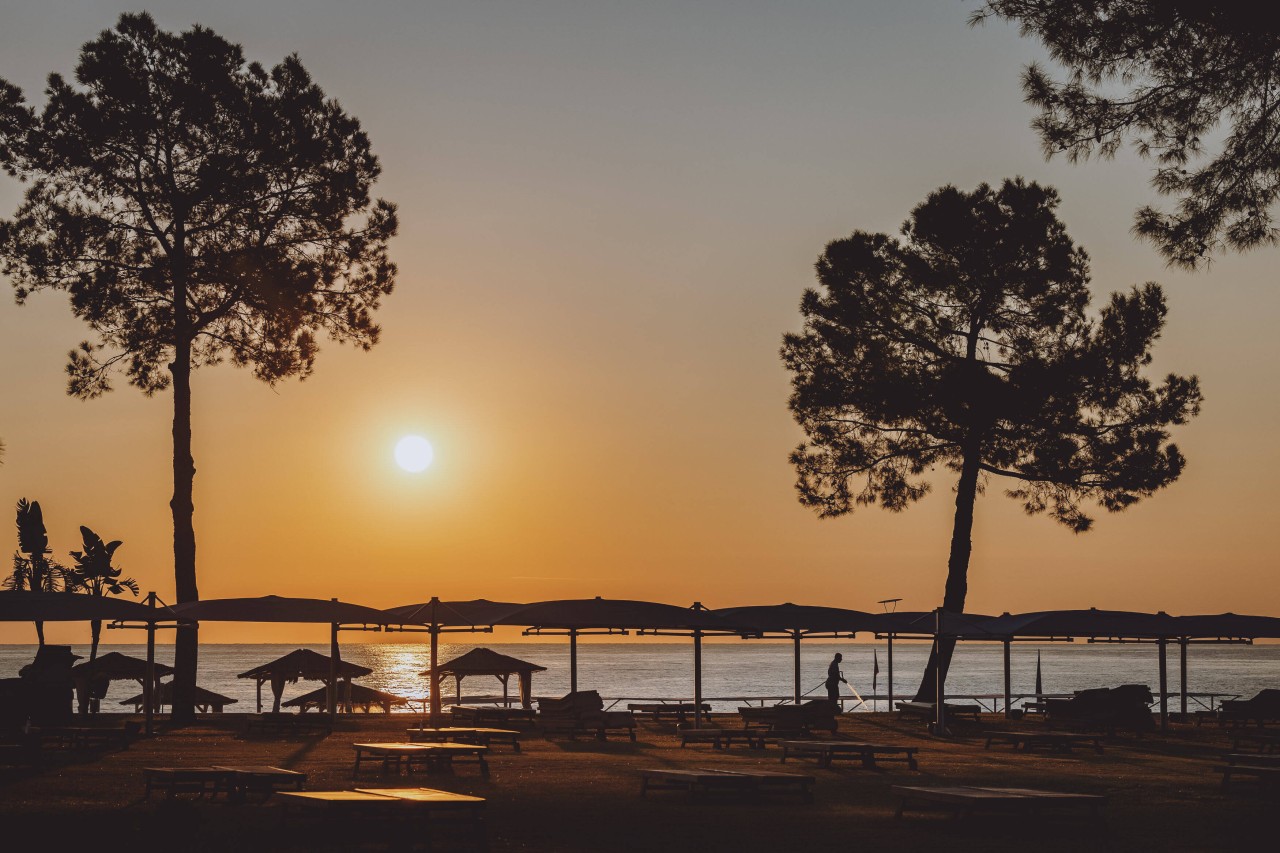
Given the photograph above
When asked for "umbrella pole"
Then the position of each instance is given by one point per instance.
(259, 695)
(435, 676)
(1008, 686)
(889, 671)
(697, 676)
(1182, 667)
(332, 693)
(434, 682)
(573, 660)
(148, 688)
(795, 640)
(1164, 684)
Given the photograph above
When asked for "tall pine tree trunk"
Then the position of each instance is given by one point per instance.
(186, 644)
(957, 568)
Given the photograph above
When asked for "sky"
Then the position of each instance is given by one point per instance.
(609, 211)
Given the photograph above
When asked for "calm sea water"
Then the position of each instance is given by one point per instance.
(733, 671)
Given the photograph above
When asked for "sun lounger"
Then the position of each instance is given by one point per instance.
(464, 715)
(792, 720)
(965, 800)
(927, 710)
(747, 783)
(583, 713)
(483, 736)
(1103, 709)
(867, 753)
(1052, 741)
(1261, 709)
(405, 756)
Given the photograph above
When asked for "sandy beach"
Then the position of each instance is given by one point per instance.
(584, 795)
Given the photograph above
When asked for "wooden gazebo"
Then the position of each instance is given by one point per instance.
(489, 662)
(304, 665)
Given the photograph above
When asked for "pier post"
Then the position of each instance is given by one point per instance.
(1008, 684)
(1162, 643)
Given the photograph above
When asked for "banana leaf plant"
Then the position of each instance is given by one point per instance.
(94, 575)
(33, 570)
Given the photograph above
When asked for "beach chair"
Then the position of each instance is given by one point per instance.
(583, 712)
(1261, 709)
(1104, 709)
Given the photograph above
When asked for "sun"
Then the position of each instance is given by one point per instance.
(414, 453)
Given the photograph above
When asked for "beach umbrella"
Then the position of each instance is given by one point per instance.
(605, 615)
(275, 608)
(794, 621)
(21, 606)
(488, 662)
(444, 616)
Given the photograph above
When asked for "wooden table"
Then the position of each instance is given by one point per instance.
(827, 751)
(186, 780)
(1054, 741)
(1264, 768)
(429, 801)
(262, 779)
(965, 800)
(434, 756)
(481, 735)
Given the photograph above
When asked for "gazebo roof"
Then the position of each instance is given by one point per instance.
(19, 606)
(117, 667)
(202, 697)
(479, 611)
(793, 617)
(275, 608)
(485, 662)
(306, 665)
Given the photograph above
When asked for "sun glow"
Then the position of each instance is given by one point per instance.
(414, 453)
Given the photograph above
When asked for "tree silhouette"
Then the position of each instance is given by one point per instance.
(967, 344)
(1167, 74)
(35, 572)
(196, 208)
(94, 575)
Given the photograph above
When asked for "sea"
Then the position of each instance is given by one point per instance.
(738, 672)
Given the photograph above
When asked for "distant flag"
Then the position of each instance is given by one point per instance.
(875, 671)
(1039, 684)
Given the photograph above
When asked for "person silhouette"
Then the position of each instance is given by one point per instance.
(834, 678)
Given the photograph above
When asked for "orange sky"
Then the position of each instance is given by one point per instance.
(609, 212)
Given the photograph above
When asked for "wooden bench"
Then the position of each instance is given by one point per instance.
(678, 711)
(186, 780)
(1053, 741)
(481, 735)
(405, 756)
(289, 725)
(868, 753)
(1263, 768)
(747, 783)
(927, 711)
(1264, 743)
(965, 800)
(262, 780)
